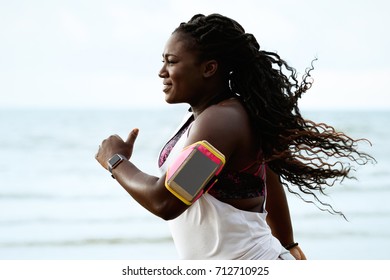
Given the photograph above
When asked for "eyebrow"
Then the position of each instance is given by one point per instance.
(168, 54)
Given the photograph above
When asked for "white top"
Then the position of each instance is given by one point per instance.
(211, 229)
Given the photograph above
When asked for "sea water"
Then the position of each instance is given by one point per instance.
(57, 202)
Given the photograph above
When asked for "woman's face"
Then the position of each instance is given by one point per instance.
(181, 71)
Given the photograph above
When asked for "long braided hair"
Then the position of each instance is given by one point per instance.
(307, 155)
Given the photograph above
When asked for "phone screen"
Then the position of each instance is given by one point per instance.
(195, 172)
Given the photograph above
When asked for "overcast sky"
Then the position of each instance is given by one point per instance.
(91, 53)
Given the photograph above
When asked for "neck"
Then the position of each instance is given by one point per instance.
(223, 95)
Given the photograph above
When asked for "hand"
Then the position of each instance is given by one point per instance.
(297, 253)
(115, 145)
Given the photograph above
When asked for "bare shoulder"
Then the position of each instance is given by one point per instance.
(229, 116)
(223, 125)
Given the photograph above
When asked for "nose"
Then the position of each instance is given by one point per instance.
(163, 72)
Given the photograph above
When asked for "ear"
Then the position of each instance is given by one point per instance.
(210, 68)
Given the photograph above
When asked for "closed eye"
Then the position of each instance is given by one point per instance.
(168, 61)
(167, 58)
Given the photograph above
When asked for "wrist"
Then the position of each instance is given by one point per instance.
(114, 162)
(291, 245)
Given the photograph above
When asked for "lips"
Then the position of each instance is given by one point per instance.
(166, 87)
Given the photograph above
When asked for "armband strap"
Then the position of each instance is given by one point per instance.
(291, 245)
(194, 171)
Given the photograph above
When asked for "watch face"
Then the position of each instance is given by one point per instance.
(114, 160)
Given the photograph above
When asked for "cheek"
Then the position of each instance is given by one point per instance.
(180, 81)
(177, 75)
(186, 80)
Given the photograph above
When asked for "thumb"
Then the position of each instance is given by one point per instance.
(132, 136)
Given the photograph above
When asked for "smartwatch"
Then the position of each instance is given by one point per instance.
(114, 161)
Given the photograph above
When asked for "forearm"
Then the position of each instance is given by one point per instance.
(278, 217)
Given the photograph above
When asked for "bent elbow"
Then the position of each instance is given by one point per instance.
(168, 216)
(169, 211)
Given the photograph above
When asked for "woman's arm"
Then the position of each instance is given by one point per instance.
(221, 125)
(278, 216)
(147, 190)
(213, 125)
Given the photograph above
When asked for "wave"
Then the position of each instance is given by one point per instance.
(88, 242)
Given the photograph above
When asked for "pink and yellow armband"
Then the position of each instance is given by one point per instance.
(194, 171)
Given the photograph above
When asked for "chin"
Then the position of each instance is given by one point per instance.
(172, 102)
(170, 99)
(167, 99)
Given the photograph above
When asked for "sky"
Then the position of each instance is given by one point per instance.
(107, 53)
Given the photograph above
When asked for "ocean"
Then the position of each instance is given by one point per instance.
(57, 203)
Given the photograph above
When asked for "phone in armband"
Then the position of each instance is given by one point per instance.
(194, 171)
